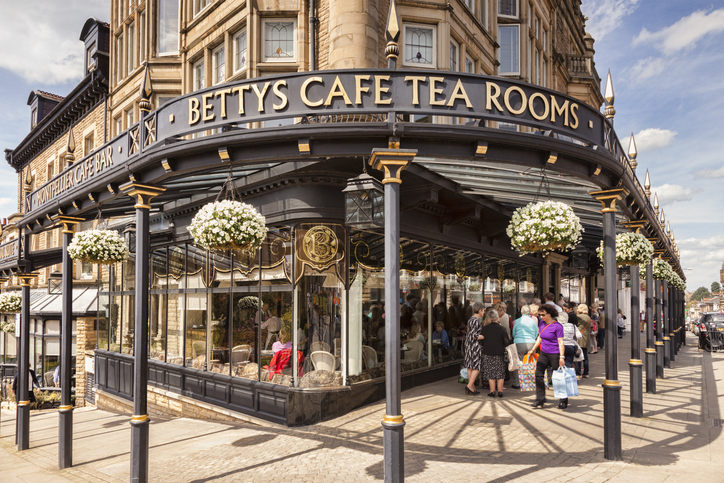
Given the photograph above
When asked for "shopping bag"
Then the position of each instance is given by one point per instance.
(560, 390)
(571, 382)
(526, 372)
(513, 362)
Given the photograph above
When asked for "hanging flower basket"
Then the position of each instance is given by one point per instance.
(228, 225)
(102, 247)
(546, 226)
(10, 302)
(662, 270)
(631, 249)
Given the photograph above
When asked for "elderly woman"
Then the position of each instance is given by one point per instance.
(473, 349)
(550, 341)
(441, 335)
(501, 308)
(495, 340)
(525, 333)
(584, 325)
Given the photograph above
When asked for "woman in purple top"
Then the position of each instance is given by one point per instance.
(550, 341)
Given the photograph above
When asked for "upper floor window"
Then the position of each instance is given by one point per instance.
(50, 171)
(118, 125)
(121, 11)
(470, 4)
(469, 65)
(131, 46)
(279, 44)
(129, 118)
(508, 8)
(142, 37)
(34, 118)
(485, 14)
(89, 56)
(419, 41)
(219, 62)
(88, 144)
(199, 5)
(454, 48)
(240, 56)
(198, 75)
(168, 27)
(509, 52)
(119, 59)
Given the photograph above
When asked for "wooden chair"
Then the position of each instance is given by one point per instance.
(323, 361)
(369, 357)
(413, 354)
(240, 354)
(319, 346)
(198, 348)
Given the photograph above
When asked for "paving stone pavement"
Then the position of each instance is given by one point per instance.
(449, 436)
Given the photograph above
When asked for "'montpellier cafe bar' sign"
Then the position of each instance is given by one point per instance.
(348, 92)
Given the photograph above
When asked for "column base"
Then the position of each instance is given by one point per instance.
(612, 448)
(651, 371)
(139, 448)
(23, 425)
(65, 437)
(659, 360)
(672, 349)
(637, 397)
(393, 441)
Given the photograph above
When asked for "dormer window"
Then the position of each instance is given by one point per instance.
(34, 118)
(89, 62)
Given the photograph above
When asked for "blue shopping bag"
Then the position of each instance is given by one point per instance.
(571, 382)
(560, 391)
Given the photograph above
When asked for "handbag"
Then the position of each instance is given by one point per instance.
(526, 372)
(511, 352)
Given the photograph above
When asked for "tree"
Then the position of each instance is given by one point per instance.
(715, 287)
(700, 293)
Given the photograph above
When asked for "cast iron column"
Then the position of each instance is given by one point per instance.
(612, 449)
(650, 346)
(673, 322)
(666, 326)
(65, 412)
(393, 162)
(659, 333)
(139, 420)
(24, 388)
(636, 366)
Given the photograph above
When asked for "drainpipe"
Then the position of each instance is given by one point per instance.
(312, 37)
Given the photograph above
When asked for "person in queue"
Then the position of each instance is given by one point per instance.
(595, 327)
(584, 325)
(550, 300)
(525, 333)
(285, 339)
(550, 341)
(473, 349)
(440, 334)
(495, 340)
(570, 335)
(502, 308)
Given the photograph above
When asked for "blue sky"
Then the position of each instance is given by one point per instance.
(664, 56)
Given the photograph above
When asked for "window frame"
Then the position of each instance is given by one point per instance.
(195, 4)
(485, 14)
(517, 10)
(159, 17)
(433, 28)
(454, 47)
(264, 23)
(215, 66)
(194, 78)
(235, 53)
(119, 59)
(142, 37)
(131, 47)
(500, 50)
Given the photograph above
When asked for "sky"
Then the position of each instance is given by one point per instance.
(664, 56)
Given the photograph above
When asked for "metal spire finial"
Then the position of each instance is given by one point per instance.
(610, 97)
(146, 91)
(663, 218)
(656, 204)
(70, 147)
(668, 228)
(392, 34)
(28, 181)
(647, 184)
(632, 153)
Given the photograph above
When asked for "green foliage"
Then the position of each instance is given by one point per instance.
(700, 293)
(715, 287)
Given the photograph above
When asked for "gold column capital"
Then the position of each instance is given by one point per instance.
(392, 162)
(608, 198)
(635, 225)
(142, 192)
(68, 222)
(26, 278)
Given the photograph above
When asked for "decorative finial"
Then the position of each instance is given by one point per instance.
(647, 184)
(656, 204)
(609, 96)
(70, 147)
(28, 181)
(632, 153)
(663, 218)
(146, 91)
(668, 228)
(392, 35)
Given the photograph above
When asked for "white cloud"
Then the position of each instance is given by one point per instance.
(604, 16)
(671, 193)
(649, 67)
(685, 33)
(653, 138)
(711, 173)
(39, 39)
(7, 201)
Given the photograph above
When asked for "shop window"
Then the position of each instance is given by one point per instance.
(198, 75)
(241, 58)
(508, 8)
(279, 40)
(131, 50)
(509, 52)
(168, 27)
(199, 5)
(219, 63)
(419, 44)
(454, 58)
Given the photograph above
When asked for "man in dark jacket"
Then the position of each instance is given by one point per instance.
(32, 383)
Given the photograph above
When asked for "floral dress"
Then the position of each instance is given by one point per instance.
(473, 349)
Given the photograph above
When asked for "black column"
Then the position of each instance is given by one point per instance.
(659, 333)
(666, 326)
(673, 322)
(65, 412)
(650, 346)
(635, 364)
(21, 394)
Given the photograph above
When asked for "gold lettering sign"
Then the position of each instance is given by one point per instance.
(320, 244)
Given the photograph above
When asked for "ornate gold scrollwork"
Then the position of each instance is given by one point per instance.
(320, 244)
(460, 265)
